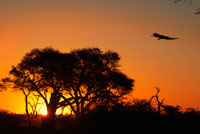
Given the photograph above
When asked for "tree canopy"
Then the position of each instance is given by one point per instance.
(81, 79)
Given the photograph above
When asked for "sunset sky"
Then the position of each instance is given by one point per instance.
(124, 26)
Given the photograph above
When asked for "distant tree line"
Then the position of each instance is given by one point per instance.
(137, 116)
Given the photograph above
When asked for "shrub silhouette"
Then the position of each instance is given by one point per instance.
(121, 118)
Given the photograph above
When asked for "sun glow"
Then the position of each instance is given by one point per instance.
(60, 111)
(43, 111)
(37, 105)
(63, 111)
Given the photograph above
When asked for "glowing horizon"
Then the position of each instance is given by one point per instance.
(121, 26)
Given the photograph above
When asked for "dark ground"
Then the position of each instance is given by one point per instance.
(106, 122)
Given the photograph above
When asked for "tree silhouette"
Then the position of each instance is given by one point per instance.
(81, 79)
(40, 73)
(9, 83)
(182, 1)
(159, 103)
(190, 1)
(96, 80)
(4, 84)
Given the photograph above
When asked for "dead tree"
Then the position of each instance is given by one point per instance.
(159, 103)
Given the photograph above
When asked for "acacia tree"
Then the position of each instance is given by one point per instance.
(38, 72)
(96, 80)
(81, 79)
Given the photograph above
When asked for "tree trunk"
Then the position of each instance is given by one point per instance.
(51, 111)
(49, 121)
(26, 106)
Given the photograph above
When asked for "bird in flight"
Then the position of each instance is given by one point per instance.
(159, 36)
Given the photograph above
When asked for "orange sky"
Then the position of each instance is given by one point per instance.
(123, 26)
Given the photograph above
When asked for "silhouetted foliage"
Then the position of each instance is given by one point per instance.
(90, 83)
(4, 84)
(122, 118)
(9, 120)
(191, 113)
(176, 1)
(97, 80)
(190, 2)
(171, 110)
(142, 106)
(81, 79)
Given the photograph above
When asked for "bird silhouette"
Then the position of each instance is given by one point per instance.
(159, 36)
